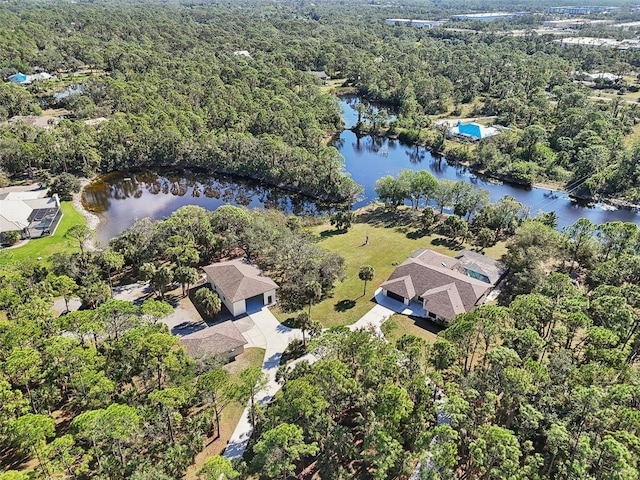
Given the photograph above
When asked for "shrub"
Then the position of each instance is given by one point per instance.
(11, 238)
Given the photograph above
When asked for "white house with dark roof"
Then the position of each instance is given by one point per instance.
(442, 285)
(29, 213)
(241, 285)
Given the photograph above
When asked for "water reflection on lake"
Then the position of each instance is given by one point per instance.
(120, 198)
(367, 159)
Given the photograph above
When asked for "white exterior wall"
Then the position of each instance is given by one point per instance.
(266, 295)
(238, 308)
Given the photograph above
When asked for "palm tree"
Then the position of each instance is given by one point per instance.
(186, 276)
(208, 301)
(366, 274)
(303, 322)
(313, 292)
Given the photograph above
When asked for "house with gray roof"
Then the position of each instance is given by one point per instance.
(29, 213)
(222, 340)
(241, 286)
(442, 285)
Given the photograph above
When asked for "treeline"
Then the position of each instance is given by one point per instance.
(557, 132)
(168, 253)
(177, 92)
(473, 213)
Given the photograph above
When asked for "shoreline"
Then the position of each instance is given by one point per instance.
(92, 220)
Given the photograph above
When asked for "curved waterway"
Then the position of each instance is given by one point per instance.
(121, 198)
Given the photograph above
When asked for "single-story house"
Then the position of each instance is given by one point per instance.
(44, 121)
(472, 131)
(442, 285)
(240, 285)
(29, 213)
(222, 340)
(322, 75)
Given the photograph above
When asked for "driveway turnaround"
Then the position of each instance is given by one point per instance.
(276, 338)
(374, 318)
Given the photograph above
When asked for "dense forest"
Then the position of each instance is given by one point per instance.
(106, 391)
(176, 87)
(543, 384)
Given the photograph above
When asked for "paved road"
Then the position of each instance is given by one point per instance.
(266, 332)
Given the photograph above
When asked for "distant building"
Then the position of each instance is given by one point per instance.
(242, 53)
(593, 77)
(23, 79)
(586, 10)
(472, 131)
(321, 74)
(405, 22)
(45, 121)
(485, 17)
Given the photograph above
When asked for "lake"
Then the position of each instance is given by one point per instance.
(120, 198)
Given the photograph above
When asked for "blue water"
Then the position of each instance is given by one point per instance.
(76, 89)
(126, 196)
(367, 159)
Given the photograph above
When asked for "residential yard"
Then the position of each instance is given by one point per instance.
(391, 240)
(398, 325)
(46, 246)
(335, 86)
(252, 357)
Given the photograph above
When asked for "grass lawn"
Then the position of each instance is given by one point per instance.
(391, 241)
(398, 325)
(334, 86)
(633, 138)
(231, 415)
(46, 246)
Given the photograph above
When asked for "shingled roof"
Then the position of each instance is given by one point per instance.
(238, 279)
(435, 278)
(215, 340)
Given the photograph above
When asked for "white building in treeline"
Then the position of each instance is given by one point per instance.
(406, 22)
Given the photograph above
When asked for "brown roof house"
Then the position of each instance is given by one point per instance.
(223, 340)
(444, 286)
(241, 286)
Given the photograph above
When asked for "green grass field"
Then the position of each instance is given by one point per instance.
(390, 244)
(398, 325)
(46, 246)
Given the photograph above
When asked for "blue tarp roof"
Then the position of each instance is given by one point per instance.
(18, 77)
(471, 129)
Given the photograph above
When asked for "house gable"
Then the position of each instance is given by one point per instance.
(441, 283)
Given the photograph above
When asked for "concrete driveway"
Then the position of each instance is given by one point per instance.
(268, 333)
